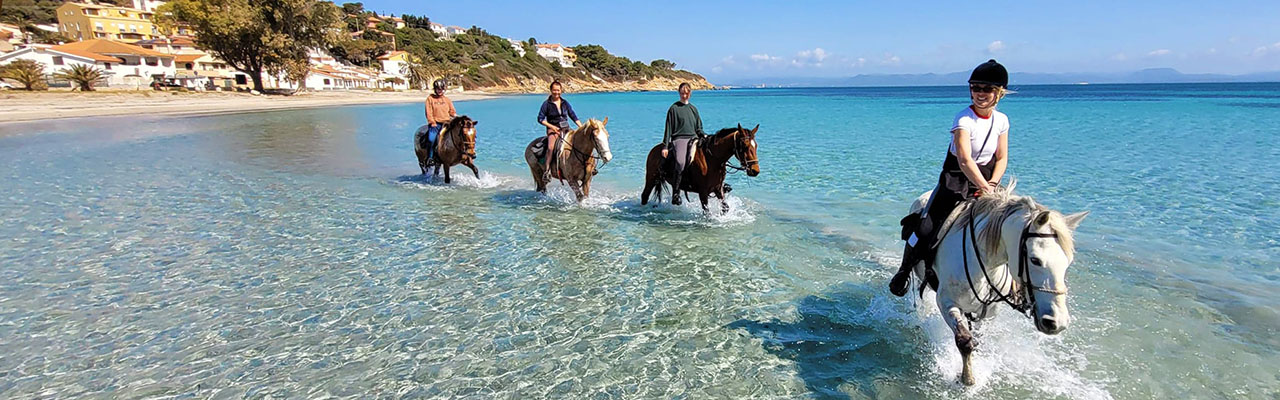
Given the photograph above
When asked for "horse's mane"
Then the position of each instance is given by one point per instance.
(725, 131)
(453, 123)
(1001, 204)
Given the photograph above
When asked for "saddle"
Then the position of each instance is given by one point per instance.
(540, 150)
(669, 167)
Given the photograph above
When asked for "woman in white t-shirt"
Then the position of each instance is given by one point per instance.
(974, 165)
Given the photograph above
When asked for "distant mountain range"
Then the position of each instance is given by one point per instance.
(1152, 75)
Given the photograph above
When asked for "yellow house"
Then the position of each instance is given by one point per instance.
(95, 21)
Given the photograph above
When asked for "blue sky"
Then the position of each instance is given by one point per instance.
(748, 39)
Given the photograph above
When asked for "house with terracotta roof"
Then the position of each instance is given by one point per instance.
(170, 45)
(123, 64)
(395, 70)
(558, 53)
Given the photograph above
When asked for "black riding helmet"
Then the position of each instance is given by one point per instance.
(991, 73)
(438, 84)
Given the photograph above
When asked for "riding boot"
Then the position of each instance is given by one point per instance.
(898, 285)
(675, 187)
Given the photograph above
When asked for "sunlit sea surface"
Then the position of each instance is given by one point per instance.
(297, 254)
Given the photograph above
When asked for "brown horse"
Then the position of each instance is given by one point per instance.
(705, 172)
(456, 144)
(576, 162)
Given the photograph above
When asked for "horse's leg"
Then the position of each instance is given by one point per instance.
(964, 339)
(724, 205)
(648, 189)
(704, 197)
(586, 187)
(446, 175)
(577, 190)
(472, 165)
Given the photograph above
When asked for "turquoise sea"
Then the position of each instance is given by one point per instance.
(296, 254)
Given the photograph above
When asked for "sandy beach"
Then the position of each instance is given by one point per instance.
(22, 106)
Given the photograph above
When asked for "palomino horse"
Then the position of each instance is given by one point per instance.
(981, 238)
(456, 144)
(576, 162)
(706, 170)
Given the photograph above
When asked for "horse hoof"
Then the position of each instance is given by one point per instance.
(969, 380)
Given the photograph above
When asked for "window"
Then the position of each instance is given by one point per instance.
(152, 61)
(57, 60)
(106, 66)
(98, 26)
(189, 66)
(326, 81)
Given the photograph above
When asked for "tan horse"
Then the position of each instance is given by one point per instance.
(707, 167)
(576, 162)
(456, 144)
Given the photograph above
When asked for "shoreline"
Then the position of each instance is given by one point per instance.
(21, 106)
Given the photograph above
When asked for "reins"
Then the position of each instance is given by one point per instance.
(1026, 297)
(575, 153)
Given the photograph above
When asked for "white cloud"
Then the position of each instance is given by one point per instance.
(1264, 50)
(1213, 50)
(817, 54)
(762, 57)
(1120, 57)
(717, 69)
(995, 47)
(890, 59)
(859, 62)
(1161, 52)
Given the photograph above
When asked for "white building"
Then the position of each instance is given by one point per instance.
(11, 37)
(123, 65)
(147, 5)
(395, 70)
(557, 53)
(517, 45)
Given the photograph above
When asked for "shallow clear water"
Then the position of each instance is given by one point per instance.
(296, 254)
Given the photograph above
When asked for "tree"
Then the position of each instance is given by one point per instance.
(21, 12)
(37, 35)
(353, 8)
(257, 36)
(27, 72)
(84, 76)
(662, 64)
(533, 42)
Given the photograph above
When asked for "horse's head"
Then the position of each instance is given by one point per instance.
(466, 129)
(1041, 248)
(600, 136)
(744, 148)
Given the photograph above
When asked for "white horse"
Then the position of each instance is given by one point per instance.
(974, 277)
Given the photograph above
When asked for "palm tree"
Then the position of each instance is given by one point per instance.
(27, 72)
(82, 75)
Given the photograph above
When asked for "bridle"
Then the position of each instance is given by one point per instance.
(1025, 300)
(459, 145)
(740, 154)
(582, 156)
